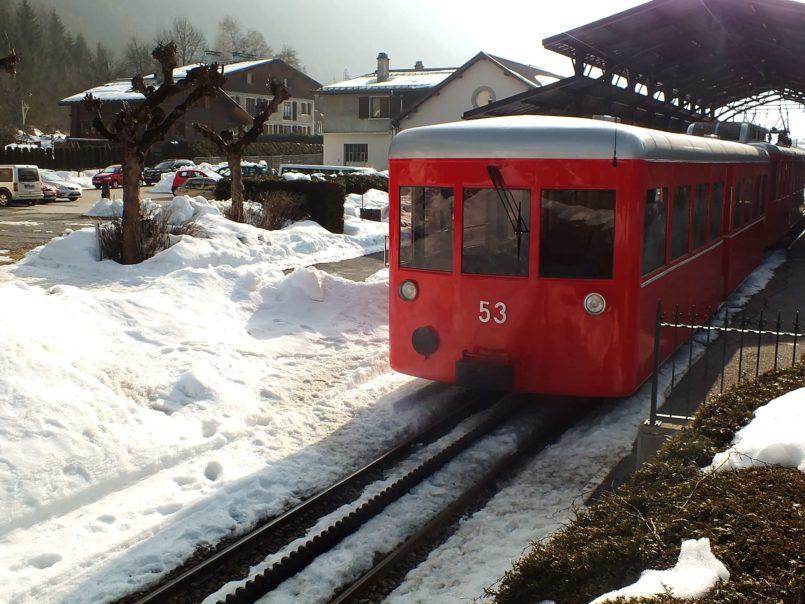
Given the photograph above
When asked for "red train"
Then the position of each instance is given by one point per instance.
(529, 253)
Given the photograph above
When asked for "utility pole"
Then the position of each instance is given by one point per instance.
(25, 107)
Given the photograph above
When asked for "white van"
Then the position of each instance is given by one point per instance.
(20, 183)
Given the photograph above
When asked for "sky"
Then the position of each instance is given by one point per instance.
(337, 36)
(340, 39)
(146, 409)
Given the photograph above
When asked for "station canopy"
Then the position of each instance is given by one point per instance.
(668, 63)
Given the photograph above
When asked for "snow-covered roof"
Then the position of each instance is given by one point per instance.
(121, 90)
(398, 78)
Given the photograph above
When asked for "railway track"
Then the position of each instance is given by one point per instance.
(209, 570)
(300, 545)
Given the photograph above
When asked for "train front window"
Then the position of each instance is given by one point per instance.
(426, 228)
(577, 233)
(496, 232)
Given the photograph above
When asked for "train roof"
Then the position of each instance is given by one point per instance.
(551, 137)
(778, 150)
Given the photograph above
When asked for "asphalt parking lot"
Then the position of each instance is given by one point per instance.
(23, 227)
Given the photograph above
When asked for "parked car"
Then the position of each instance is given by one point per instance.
(49, 193)
(247, 170)
(111, 175)
(20, 183)
(153, 175)
(197, 185)
(66, 189)
(184, 174)
(326, 170)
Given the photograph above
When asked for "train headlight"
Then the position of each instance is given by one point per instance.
(408, 290)
(594, 304)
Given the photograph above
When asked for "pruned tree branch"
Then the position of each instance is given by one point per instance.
(93, 106)
(208, 133)
(165, 55)
(9, 63)
(280, 94)
(138, 84)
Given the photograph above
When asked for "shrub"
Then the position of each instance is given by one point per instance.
(360, 183)
(157, 229)
(275, 210)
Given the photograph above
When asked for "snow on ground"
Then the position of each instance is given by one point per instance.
(147, 409)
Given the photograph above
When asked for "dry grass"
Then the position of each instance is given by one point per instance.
(755, 519)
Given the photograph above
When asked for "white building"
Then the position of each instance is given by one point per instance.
(360, 115)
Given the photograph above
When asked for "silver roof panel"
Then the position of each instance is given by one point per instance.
(549, 137)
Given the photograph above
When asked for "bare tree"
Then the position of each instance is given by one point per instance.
(231, 39)
(138, 126)
(234, 147)
(137, 58)
(189, 40)
(290, 56)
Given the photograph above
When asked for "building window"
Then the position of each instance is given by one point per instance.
(358, 153)
(373, 107)
(251, 105)
(287, 110)
(306, 108)
(250, 78)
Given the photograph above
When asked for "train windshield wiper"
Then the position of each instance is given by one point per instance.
(513, 209)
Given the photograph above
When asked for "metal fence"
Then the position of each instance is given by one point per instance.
(714, 351)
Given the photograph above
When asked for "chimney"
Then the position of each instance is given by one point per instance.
(382, 67)
(419, 66)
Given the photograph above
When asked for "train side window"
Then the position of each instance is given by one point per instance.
(747, 200)
(737, 205)
(700, 216)
(492, 242)
(654, 229)
(716, 208)
(680, 222)
(577, 233)
(426, 228)
(763, 183)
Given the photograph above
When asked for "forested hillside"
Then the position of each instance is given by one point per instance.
(53, 63)
(56, 61)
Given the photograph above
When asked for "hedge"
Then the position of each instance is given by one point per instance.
(322, 201)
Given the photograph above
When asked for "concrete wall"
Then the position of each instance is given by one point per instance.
(378, 148)
(340, 114)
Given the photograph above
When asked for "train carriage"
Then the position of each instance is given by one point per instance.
(529, 252)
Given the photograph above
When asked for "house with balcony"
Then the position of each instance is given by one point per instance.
(361, 115)
(244, 89)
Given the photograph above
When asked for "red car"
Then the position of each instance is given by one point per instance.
(184, 174)
(50, 193)
(111, 175)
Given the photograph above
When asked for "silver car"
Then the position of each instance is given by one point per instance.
(67, 190)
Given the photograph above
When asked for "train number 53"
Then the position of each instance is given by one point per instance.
(492, 311)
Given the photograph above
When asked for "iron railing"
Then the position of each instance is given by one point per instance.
(746, 344)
